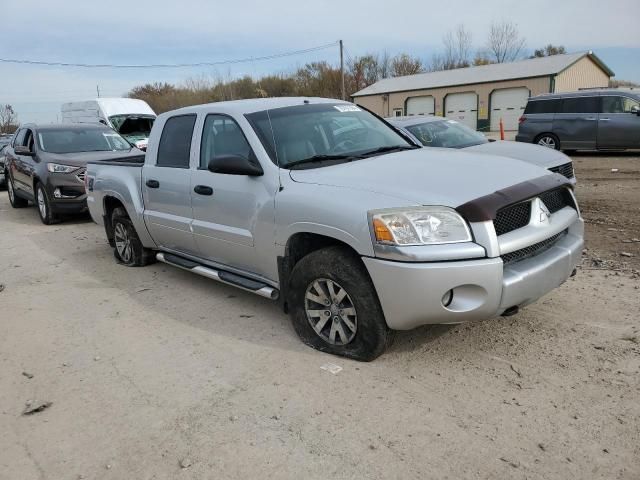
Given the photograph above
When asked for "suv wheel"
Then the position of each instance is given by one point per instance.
(334, 306)
(548, 140)
(14, 200)
(128, 247)
(44, 206)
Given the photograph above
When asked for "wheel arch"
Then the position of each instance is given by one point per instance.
(298, 246)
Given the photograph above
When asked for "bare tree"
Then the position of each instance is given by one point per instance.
(504, 43)
(457, 50)
(404, 64)
(384, 65)
(8, 119)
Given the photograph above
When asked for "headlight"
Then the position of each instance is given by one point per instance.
(57, 168)
(419, 226)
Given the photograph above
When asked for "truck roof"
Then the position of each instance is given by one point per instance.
(241, 107)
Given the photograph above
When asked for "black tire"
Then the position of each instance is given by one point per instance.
(128, 249)
(346, 272)
(14, 200)
(548, 140)
(43, 204)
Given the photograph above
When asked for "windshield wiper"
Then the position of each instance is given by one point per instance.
(388, 149)
(322, 158)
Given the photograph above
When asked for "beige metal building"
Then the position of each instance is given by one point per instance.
(481, 96)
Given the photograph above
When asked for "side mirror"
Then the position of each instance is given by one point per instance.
(235, 165)
(22, 150)
(635, 109)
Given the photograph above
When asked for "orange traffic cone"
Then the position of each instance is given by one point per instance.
(501, 129)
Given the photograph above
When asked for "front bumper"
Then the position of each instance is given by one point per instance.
(67, 194)
(414, 294)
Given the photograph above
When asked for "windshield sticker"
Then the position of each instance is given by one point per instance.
(347, 108)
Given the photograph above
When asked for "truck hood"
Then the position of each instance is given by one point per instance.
(425, 176)
(527, 152)
(80, 159)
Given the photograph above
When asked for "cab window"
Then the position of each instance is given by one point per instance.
(175, 143)
(222, 136)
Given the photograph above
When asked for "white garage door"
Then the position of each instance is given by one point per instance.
(421, 105)
(462, 107)
(508, 104)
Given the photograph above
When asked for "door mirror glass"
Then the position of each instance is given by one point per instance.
(231, 164)
(22, 150)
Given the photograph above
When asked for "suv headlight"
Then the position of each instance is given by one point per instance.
(419, 226)
(58, 168)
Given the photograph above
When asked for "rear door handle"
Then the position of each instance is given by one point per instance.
(605, 119)
(203, 190)
(153, 183)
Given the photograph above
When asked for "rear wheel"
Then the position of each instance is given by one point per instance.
(548, 140)
(14, 200)
(334, 306)
(128, 248)
(44, 206)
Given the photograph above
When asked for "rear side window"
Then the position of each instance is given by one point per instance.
(175, 142)
(611, 104)
(542, 106)
(580, 105)
(19, 140)
(222, 136)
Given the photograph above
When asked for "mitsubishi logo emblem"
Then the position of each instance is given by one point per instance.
(545, 214)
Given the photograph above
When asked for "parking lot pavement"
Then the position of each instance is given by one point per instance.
(150, 368)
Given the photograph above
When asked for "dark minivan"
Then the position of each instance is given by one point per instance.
(584, 120)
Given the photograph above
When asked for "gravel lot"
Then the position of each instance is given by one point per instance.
(155, 373)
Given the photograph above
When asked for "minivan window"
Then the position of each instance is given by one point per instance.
(617, 104)
(580, 105)
(222, 136)
(542, 106)
(175, 142)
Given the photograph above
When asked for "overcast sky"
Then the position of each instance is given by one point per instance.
(163, 31)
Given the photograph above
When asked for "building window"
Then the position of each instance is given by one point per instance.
(397, 112)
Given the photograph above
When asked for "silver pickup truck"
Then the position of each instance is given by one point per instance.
(325, 207)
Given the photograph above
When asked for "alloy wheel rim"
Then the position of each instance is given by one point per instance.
(123, 243)
(42, 206)
(330, 312)
(547, 142)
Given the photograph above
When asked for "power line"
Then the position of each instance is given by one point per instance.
(170, 65)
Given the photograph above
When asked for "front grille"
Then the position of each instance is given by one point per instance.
(557, 199)
(565, 170)
(531, 250)
(513, 217)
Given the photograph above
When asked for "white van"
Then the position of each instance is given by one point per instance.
(130, 117)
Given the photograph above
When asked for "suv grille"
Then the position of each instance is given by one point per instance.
(531, 250)
(557, 199)
(565, 170)
(513, 217)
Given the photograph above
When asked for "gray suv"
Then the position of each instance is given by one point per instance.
(585, 120)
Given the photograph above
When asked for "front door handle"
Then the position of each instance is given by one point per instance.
(153, 183)
(604, 119)
(203, 190)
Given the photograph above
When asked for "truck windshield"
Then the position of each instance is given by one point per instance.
(322, 134)
(76, 140)
(132, 125)
(446, 134)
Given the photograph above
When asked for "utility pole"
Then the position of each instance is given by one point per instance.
(342, 68)
(98, 90)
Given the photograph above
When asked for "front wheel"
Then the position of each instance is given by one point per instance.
(548, 140)
(128, 248)
(334, 307)
(44, 206)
